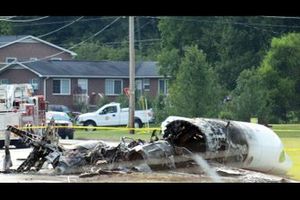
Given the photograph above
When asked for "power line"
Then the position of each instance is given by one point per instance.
(7, 17)
(281, 17)
(40, 36)
(72, 47)
(24, 20)
(61, 22)
(136, 41)
(94, 35)
(220, 22)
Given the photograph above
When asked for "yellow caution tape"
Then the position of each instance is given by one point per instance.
(93, 128)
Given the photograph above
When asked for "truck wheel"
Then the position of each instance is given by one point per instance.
(90, 124)
(71, 135)
(138, 123)
(61, 134)
(19, 145)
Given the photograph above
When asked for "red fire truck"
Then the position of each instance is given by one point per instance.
(19, 107)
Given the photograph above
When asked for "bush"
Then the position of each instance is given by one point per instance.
(123, 100)
(160, 108)
(226, 115)
(82, 107)
(102, 101)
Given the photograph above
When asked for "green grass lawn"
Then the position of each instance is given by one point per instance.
(289, 134)
(112, 135)
(287, 130)
(292, 148)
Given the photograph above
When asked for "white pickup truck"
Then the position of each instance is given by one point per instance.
(113, 115)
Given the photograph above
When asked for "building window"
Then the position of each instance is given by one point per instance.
(163, 86)
(61, 86)
(138, 85)
(10, 59)
(83, 85)
(113, 86)
(4, 81)
(33, 59)
(146, 84)
(35, 83)
(55, 58)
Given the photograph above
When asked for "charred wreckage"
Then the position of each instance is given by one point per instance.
(231, 143)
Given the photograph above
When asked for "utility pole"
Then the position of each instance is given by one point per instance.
(131, 74)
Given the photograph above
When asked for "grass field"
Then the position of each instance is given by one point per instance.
(289, 134)
(114, 135)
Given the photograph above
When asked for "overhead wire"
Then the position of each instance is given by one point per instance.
(61, 22)
(72, 47)
(252, 25)
(7, 17)
(220, 22)
(65, 26)
(97, 33)
(281, 17)
(24, 20)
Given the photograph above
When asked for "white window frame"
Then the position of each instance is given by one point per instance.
(35, 85)
(13, 58)
(144, 84)
(139, 84)
(62, 79)
(113, 94)
(4, 81)
(166, 91)
(55, 58)
(86, 83)
(33, 59)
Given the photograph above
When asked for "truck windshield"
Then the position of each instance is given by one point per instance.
(58, 117)
(110, 109)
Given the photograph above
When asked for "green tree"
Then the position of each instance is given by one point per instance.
(195, 93)
(249, 98)
(231, 44)
(97, 51)
(5, 28)
(160, 108)
(281, 75)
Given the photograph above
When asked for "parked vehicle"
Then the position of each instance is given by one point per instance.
(113, 115)
(63, 108)
(61, 119)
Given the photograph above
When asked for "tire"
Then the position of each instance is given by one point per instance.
(90, 124)
(138, 123)
(62, 134)
(71, 135)
(19, 144)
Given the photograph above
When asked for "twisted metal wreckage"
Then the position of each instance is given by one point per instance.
(233, 143)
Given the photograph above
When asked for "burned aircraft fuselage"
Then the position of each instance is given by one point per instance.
(215, 139)
(246, 145)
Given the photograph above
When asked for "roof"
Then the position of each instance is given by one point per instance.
(6, 40)
(89, 69)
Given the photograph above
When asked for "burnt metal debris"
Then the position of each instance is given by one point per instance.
(45, 148)
(219, 141)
